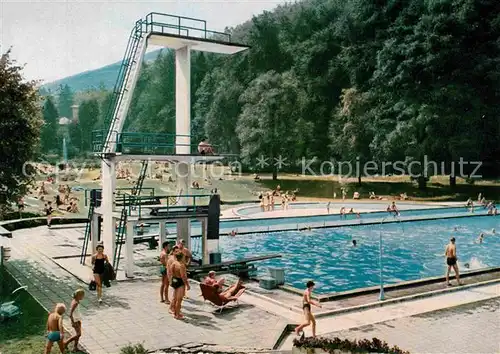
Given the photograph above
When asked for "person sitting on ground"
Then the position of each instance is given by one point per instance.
(356, 195)
(469, 203)
(210, 280)
(256, 177)
(372, 195)
(204, 148)
(59, 202)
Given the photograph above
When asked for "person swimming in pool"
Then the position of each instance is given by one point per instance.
(55, 330)
(354, 243)
(451, 260)
(178, 281)
(306, 306)
(163, 271)
(480, 239)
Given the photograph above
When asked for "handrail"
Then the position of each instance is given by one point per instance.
(131, 202)
(142, 26)
(88, 198)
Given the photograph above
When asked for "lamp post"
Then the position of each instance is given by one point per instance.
(381, 295)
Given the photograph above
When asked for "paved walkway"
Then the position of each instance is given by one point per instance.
(471, 328)
(343, 322)
(131, 311)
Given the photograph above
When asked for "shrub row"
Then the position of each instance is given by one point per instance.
(356, 346)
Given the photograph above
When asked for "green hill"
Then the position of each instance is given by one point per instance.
(104, 77)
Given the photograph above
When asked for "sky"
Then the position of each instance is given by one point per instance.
(56, 38)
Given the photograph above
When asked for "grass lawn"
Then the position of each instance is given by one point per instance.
(438, 188)
(25, 334)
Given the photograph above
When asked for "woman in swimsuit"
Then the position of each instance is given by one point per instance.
(306, 306)
(98, 261)
(55, 330)
(76, 318)
(180, 283)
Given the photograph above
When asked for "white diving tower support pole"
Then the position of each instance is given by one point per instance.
(183, 133)
(108, 221)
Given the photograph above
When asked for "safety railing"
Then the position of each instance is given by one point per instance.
(138, 143)
(156, 22)
(148, 192)
(164, 205)
(123, 75)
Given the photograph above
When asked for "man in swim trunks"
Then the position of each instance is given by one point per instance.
(306, 306)
(55, 330)
(187, 253)
(180, 283)
(163, 272)
(451, 260)
(170, 260)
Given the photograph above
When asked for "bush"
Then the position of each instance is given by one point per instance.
(16, 215)
(134, 349)
(362, 346)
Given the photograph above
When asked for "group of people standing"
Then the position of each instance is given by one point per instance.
(173, 269)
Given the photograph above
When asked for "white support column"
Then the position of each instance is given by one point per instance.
(94, 234)
(129, 254)
(183, 100)
(204, 248)
(107, 207)
(184, 232)
(163, 232)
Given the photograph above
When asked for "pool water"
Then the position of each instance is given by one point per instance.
(411, 251)
(294, 223)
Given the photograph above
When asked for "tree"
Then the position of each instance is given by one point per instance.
(65, 101)
(49, 134)
(351, 131)
(20, 124)
(268, 123)
(88, 115)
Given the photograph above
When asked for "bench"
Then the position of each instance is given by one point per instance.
(240, 267)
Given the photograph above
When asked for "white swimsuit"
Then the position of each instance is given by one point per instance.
(77, 316)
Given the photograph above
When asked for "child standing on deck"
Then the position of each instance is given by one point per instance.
(76, 318)
(55, 330)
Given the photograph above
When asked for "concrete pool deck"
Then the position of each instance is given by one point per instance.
(131, 312)
(358, 205)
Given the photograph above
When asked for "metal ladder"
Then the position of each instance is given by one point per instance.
(124, 86)
(136, 191)
(87, 236)
(121, 234)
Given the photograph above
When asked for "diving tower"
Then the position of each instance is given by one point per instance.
(183, 35)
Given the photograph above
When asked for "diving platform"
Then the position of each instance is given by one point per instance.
(176, 32)
(112, 145)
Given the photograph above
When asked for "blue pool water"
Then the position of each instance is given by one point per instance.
(294, 223)
(411, 250)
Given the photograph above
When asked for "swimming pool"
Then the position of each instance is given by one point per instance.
(411, 251)
(294, 223)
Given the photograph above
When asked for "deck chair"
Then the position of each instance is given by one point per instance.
(211, 294)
